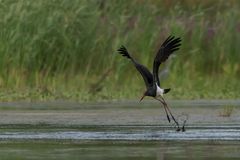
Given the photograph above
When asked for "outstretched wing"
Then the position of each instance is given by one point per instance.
(146, 74)
(170, 45)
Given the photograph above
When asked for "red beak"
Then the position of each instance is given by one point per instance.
(142, 98)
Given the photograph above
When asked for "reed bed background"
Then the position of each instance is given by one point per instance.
(61, 49)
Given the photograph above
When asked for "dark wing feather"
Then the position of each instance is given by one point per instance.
(170, 45)
(146, 74)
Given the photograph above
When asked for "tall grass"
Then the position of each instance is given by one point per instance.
(61, 48)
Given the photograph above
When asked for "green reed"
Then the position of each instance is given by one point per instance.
(60, 49)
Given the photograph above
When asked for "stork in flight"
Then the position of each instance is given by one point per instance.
(152, 82)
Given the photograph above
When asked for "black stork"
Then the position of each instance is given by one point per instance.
(152, 82)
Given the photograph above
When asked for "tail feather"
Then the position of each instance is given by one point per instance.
(123, 51)
(166, 90)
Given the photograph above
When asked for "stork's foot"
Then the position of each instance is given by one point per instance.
(169, 120)
(178, 129)
(183, 127)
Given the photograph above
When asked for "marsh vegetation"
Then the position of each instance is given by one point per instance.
(67, 49)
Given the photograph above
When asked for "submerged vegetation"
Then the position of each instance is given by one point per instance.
(67, 49)
(226, 111)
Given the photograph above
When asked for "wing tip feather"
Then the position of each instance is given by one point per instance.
(123, 51)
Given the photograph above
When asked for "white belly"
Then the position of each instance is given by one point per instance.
(159, 91)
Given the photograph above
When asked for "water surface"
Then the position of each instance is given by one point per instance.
(118, 131)
(130, 133)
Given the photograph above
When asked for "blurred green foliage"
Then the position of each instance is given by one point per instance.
(61, 49)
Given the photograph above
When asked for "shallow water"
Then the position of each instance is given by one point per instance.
(112, 149)
(131, 133)
(122, 142)
(118, 132)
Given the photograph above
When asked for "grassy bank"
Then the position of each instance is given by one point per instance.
(67, 49)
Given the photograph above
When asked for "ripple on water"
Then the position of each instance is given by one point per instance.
(190, 134)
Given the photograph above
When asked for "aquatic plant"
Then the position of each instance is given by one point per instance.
(60, 49)
(227, 111)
